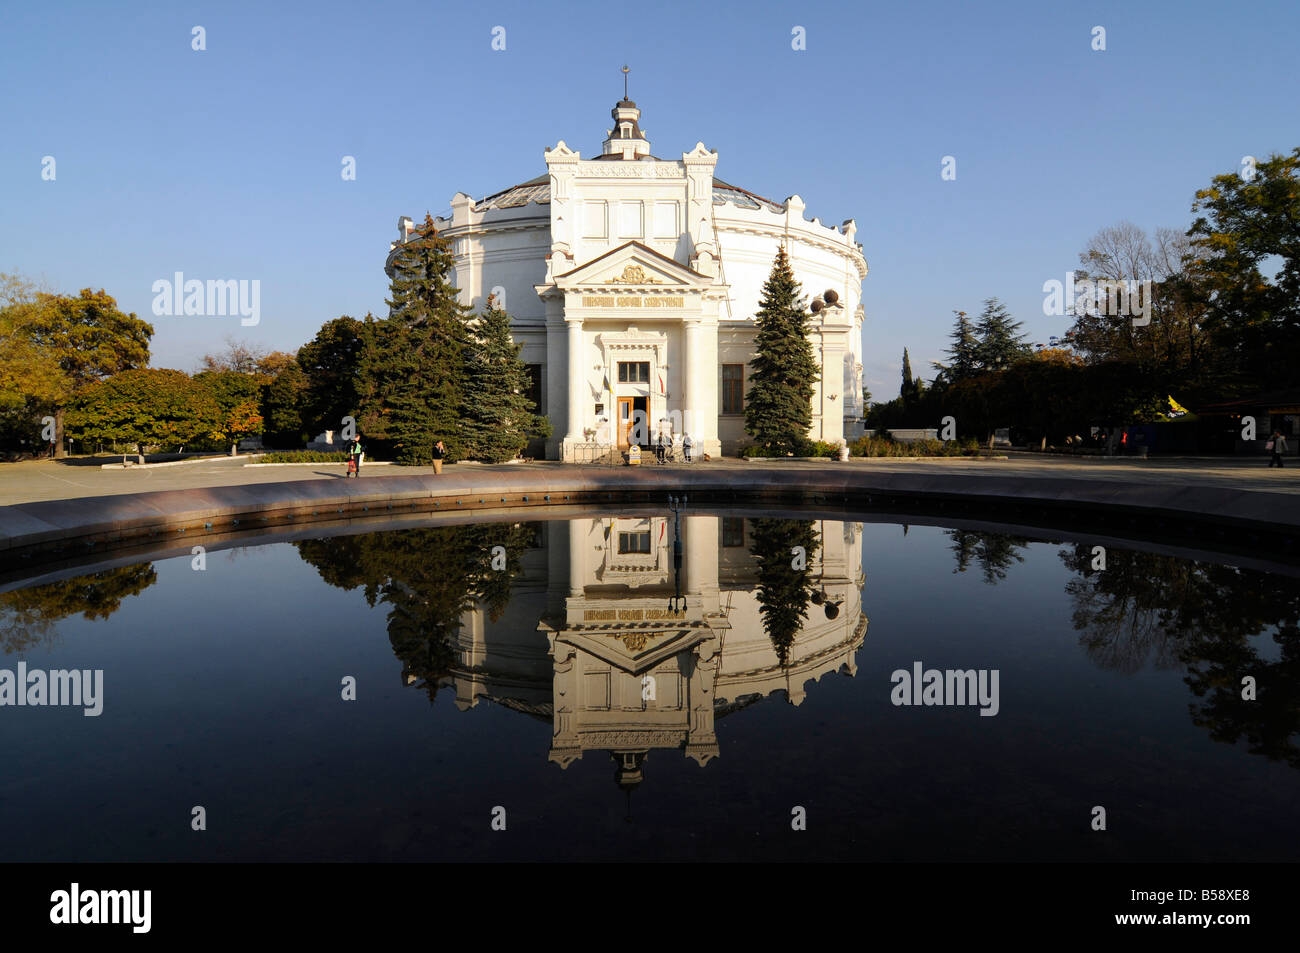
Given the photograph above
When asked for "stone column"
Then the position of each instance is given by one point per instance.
(576, 377)
(557, 379)
(700, 556)
(700, 396)
(577, 557)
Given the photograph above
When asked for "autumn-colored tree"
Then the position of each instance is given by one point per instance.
(51, 345)
(145, 407)
(238, 398)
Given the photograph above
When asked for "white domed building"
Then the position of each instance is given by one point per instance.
(632, 283)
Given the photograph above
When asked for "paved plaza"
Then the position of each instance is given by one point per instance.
(44, 480)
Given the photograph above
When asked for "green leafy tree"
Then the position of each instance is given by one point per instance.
(237, 395)
(145, 406)
(32, 383)
(778, 408)
(1000, 342)
(1244, 227)
(499, 417)
(330, 362)
(283, 401)
(52, 345)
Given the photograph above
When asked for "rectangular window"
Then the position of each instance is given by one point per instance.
(633, 372)
(594, 219)
(666, 220)
(733, 388)
(633, 543)
(733, 531)
(629, 220)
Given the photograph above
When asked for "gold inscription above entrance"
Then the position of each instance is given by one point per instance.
(633, 301)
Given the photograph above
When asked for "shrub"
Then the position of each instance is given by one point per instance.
(808, 448)
(820, 448)
(870, 445)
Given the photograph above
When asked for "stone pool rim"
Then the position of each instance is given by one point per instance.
(1214, 518)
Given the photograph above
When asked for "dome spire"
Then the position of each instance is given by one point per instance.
(626, 140)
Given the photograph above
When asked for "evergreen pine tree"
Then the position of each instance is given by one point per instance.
(907, 390)
(964, 350)
(1000, 343)
(414, 368)
(778, 408)
(498, 415)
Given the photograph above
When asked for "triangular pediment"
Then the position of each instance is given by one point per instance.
(632, 266)
(634, 650)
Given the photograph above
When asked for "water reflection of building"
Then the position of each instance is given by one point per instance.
(617, 663)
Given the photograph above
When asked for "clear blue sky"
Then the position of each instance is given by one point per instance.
(225, 163)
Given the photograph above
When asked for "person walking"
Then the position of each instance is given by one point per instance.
(1276, 446)
(354, 457)
(439, 454)
(686, 447)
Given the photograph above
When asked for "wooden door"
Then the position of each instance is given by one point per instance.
(624, 420)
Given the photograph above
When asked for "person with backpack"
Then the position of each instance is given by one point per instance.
(354, 457)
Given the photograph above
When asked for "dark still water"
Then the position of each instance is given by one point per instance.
(402, 695)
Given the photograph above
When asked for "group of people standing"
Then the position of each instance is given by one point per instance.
(356, 454)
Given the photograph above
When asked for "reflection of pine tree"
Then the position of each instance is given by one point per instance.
(783, 590)
(428, 578)
(1145, 606)
(995, 553)
(27, 616)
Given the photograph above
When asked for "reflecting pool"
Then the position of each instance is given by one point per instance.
(655, 685)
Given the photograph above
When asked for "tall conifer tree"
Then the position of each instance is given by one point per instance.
(965, 348)
(1000, 342)
(414, 367)
(498, 415)
(907, 390)
(778, 408)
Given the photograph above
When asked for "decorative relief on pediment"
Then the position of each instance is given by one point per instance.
(635, 641)
(634, 275)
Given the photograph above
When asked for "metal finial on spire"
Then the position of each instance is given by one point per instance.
(625, 72)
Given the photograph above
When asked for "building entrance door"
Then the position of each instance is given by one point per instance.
(633, 411)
